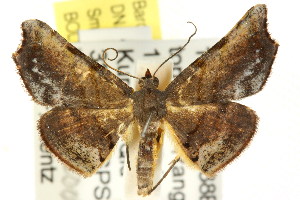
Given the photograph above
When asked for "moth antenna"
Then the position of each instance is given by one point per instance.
(173, 162)
(127, 155)
(179, 49)
(111, 59)
(146, 125)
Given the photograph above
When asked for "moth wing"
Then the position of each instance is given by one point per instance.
(210, 136)
(83, 138)
(56, 73)
(236, 67)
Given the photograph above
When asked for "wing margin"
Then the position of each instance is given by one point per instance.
(208, 137)
(83, 139)
(56, 73)
(235, 67)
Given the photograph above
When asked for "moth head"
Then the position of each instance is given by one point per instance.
(148, 81)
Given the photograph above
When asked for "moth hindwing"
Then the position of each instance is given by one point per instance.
(92, 108)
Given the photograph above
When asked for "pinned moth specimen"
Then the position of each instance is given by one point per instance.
(92, 108)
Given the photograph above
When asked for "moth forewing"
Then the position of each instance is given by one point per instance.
(56, 73)
(235, 67)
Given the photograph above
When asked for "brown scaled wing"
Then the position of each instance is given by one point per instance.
(210, 131)
(91, 105)
(56, 73)
(209, 136)
(236, 67)
(83, 138)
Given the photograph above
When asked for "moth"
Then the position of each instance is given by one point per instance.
(92, 108)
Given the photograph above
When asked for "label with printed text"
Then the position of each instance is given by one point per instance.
(72, 16)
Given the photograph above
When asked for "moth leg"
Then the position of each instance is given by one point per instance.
(172, 163)
(127, 155)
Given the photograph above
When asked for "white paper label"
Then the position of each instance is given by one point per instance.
(123, 33)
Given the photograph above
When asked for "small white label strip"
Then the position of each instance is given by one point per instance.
(54, 181)
(123, 33)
